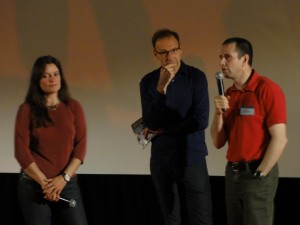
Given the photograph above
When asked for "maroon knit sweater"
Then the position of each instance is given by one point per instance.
(51, 148)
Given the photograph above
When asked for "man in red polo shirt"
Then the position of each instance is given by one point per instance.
(251, 117)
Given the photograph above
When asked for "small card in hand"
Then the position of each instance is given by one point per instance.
(138, 129)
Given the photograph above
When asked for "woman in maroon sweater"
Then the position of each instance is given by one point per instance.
(50, 145)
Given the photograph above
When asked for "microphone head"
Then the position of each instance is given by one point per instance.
(219, 75)
(72, 203)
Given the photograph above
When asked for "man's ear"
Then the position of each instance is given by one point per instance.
(245, 59)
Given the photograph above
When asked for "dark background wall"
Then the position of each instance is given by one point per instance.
(105, 49)
(131, 200)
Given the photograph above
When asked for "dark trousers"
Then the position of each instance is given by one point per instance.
(184, 194)
(250, 201)
(39, 211)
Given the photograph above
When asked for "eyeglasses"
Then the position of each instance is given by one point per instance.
(165, 53)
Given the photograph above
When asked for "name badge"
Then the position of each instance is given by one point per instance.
(247, 111)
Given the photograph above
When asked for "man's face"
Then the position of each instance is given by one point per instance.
(168, 51)
(230, 63)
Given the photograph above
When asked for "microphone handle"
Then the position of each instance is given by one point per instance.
(72, 202)
(219, 78)
(220, 86)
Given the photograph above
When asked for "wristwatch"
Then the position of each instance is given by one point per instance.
(258, 174)
(66, 177)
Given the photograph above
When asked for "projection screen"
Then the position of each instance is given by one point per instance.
(105, 49)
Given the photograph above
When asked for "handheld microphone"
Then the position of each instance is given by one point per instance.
(72, 202)
(219, 79)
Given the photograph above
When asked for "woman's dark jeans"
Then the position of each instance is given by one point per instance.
(37, 210)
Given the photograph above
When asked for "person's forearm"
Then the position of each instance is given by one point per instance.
(152, 109)
(35, 173)
(73, 166)
(217, 131)
(275, 148)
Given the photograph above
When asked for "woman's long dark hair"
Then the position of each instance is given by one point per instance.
(36, 97)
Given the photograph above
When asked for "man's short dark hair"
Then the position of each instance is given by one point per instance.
(163, 33)
(243, 47)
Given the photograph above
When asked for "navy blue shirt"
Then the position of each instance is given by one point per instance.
(183, 113)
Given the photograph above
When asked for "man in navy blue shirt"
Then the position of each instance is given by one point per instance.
(175, 107)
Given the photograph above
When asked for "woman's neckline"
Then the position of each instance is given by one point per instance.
(53, 107)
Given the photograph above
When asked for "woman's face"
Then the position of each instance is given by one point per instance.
(50, 81)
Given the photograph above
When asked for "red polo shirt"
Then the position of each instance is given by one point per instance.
(252, 111)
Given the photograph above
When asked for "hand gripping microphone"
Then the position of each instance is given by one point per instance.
(71, 202)
(219, 79)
